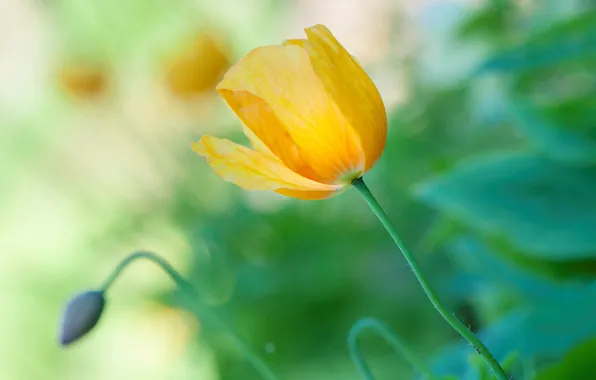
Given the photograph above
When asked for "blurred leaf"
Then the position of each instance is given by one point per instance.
(584, 268)
(490, 21)
(561, 142)
(577, 364)
(481, 265)
(553, 269)
(557, 83)
(544, 208)
(550, 317)
(478, 365)
(576, 113)
(511, 361)
(568, 40)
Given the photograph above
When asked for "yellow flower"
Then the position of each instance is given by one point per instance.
(198, 67)
(315, 119)
(83, 80)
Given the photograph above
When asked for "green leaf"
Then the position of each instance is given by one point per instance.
(489, 21)
(584, 268)
(565, 41)
(561, 142)
(579, 363)
(576, 113)
(550, 318)
(544, 208)
(478, 365)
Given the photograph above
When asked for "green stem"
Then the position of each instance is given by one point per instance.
(156, 259)
(191, 293)
(391, 338)
(457, 325)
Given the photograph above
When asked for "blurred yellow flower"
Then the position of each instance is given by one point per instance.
(83, 80)
(314, 117)
(198, 67)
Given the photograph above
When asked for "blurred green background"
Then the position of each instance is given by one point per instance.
(489, 174)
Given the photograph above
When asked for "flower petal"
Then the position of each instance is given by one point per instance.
(282, 77)
(252, 170)
(351, 89)
(307, 195)
(257, 143)
(265, 131)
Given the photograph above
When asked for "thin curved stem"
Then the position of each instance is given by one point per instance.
(450, 318)
(156, 259)
(189, 290)
(391, 338)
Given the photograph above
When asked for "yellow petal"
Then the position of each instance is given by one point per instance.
(252, 170)
(351, 89)
(265, 131)
(298, 42)
(257, 143)
(282, 77)
(307, 195)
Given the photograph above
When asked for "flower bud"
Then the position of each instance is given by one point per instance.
(80, 316)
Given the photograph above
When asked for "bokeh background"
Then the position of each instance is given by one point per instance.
(489, 174)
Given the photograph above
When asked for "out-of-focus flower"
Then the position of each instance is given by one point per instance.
(83, 80)
(199, 66)
(314, 117)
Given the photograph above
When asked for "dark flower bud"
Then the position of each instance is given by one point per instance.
(80, 316)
